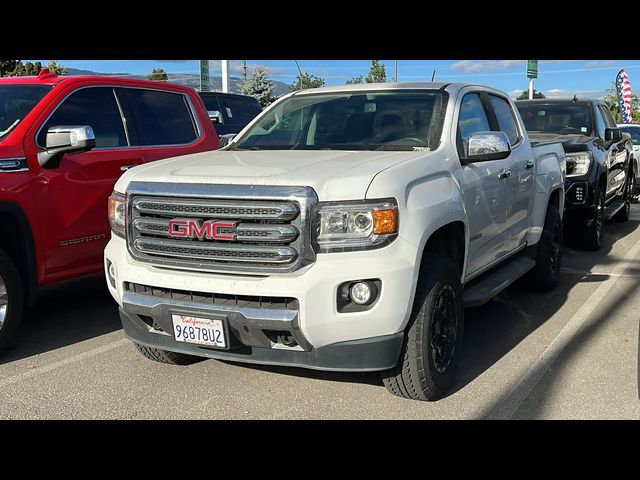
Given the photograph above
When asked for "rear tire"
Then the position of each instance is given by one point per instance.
(11, 299)
(165, 356)
(625, 212)
(546, 274)
(592, 238)
(433, 340)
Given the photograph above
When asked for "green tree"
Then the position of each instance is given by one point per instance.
(611, 99)
(305, 80)
(25, 69)
(259, 86)
(525, 95)
(357, 80)
(159, 75)
(7, 66)
(377, 73)
(55, 67)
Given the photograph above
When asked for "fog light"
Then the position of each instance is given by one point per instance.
(111, 273)
(360, 293)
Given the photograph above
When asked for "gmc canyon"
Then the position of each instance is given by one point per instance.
(345, 228)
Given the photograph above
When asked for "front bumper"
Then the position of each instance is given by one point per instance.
(325, 338)
(579, 214)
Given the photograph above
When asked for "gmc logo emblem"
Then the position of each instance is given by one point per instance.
(193, 229)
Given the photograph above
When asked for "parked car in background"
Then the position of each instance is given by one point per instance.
(230, 112)
(601, 167)
(343, 230)
(64, 141)
(633, 129)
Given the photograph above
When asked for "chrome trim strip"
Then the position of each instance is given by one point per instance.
(287, 211)
(19, 165)
(245, 232)
(255, 253)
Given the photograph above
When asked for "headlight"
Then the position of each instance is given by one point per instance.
(344, 226)
(117, 213)
(578, 163)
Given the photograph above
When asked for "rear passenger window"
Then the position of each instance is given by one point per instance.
(96, 107)
(506, 120)
(160, 118)
(472, 119)
(236, 110)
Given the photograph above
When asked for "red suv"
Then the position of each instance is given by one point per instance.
(64, 141)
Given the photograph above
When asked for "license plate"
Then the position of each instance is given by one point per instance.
(202, 331)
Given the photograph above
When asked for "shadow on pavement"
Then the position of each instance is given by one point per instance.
(495, 328)
(65, 314)
(84, 309)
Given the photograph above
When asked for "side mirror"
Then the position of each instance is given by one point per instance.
(215, 116)
(226, 139)
(66, 139)
(484, 146)
(612, 134)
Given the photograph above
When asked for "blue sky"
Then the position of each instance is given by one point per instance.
(586, 78)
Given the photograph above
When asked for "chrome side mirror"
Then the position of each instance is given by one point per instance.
(66, 139)
(484, 146)
(215, 116)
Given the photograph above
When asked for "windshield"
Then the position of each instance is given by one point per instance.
(560, 119)
(397, 120)
(634, 132)
(16, 101)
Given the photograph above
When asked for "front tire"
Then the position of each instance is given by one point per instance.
(546, 274)
(165, 356)
(431, 348)
(11, 299)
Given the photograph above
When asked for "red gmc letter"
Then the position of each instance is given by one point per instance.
(178, 228)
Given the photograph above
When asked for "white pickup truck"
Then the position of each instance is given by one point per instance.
(345, 228)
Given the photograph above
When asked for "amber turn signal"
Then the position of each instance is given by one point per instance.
(385, 221)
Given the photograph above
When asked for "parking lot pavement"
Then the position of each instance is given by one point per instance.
(568, 354)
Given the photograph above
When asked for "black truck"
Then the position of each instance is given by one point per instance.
(600, 163)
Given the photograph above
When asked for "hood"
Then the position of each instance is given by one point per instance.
(334, 175)
(570, 142)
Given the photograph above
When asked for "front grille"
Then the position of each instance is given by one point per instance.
(236, 301)
(262, 229)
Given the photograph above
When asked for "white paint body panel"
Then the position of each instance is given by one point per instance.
(432, 189)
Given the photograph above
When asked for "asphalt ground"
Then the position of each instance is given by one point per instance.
(568, 354)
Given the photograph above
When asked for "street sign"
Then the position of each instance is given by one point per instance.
(204, 76)
(532, 68)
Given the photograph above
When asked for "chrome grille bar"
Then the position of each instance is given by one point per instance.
(219, 209)
(246, 232)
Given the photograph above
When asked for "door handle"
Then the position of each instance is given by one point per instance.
(124, 168)
(529, 165)
(504, 174)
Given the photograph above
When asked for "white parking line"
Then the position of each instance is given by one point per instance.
(508, 407)
(587, 273)
(61, 363)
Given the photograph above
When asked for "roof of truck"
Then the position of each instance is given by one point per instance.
(46, 78)
(389, 86)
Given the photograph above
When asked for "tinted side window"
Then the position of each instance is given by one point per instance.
(472, 119)
(506, 120)
(236, 110)
(211, 102)
(160, 118)
(600, 125)
(608, 118)
(94, 106)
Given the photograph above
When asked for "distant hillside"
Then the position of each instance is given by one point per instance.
(188, 79)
